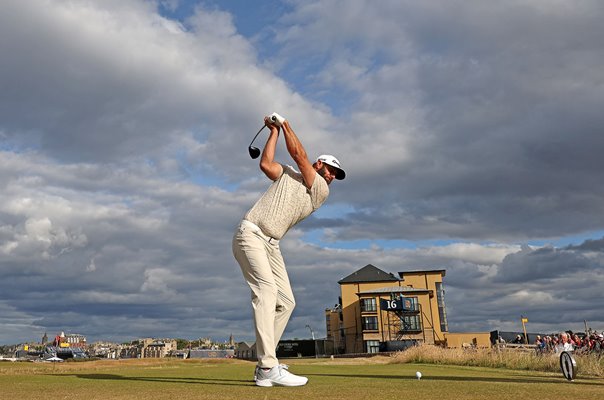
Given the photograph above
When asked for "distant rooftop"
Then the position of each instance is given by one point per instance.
(369, 273)
(423, 272)
(394, 289)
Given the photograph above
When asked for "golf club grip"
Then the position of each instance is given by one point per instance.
(277, 119)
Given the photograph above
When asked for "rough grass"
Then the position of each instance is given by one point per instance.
(346, 379)
(588, 365)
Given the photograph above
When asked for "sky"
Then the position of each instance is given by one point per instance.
(470, 133)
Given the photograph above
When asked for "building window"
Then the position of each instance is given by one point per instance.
(370, 323)
(442, 309)
(410, 323)
(368, 305)
(410, 303)
(373, 346)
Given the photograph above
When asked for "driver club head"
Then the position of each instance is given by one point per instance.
(254, 152)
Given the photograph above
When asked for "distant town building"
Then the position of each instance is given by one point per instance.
(66, 340)
(159, 348)
(246, 351)
(205, 343)
(74, 340)
(136, 349)
(105, 350)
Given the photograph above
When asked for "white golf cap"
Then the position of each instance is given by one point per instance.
(331, 160)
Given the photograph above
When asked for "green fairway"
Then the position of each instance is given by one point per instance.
(328, 379)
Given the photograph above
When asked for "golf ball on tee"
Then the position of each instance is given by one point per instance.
(418, 375)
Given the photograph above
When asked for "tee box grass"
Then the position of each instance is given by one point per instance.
(346, 379)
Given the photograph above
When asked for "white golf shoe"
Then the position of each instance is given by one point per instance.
(278, 376)
(257, 368)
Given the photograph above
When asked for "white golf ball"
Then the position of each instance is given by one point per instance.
(418, 375)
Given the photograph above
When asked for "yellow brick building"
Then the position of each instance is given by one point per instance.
(379, 311)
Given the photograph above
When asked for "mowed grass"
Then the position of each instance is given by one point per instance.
(345, 379)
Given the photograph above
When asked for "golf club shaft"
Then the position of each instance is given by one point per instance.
(263, 126)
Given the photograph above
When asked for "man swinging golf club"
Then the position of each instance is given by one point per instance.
(291, 197)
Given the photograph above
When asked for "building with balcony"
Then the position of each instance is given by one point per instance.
(378, 311)
(74, 340)
(159, 348)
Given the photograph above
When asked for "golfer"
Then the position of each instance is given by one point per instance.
(291, 197)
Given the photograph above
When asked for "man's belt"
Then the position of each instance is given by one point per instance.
(257, 230)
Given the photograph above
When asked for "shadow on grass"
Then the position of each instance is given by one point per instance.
(198, 381)
(243, 383)
(539, 380)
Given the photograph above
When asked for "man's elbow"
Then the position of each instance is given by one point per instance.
(271, 169)
(265, 166)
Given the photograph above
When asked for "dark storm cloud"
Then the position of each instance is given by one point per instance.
(546, 263)
(484, 119)
(157, 251)
(596, 245)
(546, 284)
(108, 81)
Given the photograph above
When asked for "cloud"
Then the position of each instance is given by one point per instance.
(546, 284)
(469, 121)
(121, 82)
(123, 163)
(106, 252)
(37, 237)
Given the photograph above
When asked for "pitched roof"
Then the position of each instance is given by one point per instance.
(369, 273)
(245, 345)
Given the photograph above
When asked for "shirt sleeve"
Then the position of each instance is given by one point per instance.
(319, 191)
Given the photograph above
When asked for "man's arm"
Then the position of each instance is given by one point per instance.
(298, 154)
(271, 169)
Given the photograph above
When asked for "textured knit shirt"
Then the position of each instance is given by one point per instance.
(287, 202)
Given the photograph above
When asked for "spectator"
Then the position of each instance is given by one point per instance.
(591, 343)
(565, 343)
(540, 343)
(547, 343)
(598, 343)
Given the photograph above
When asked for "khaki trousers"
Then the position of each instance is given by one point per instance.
(272, 298)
